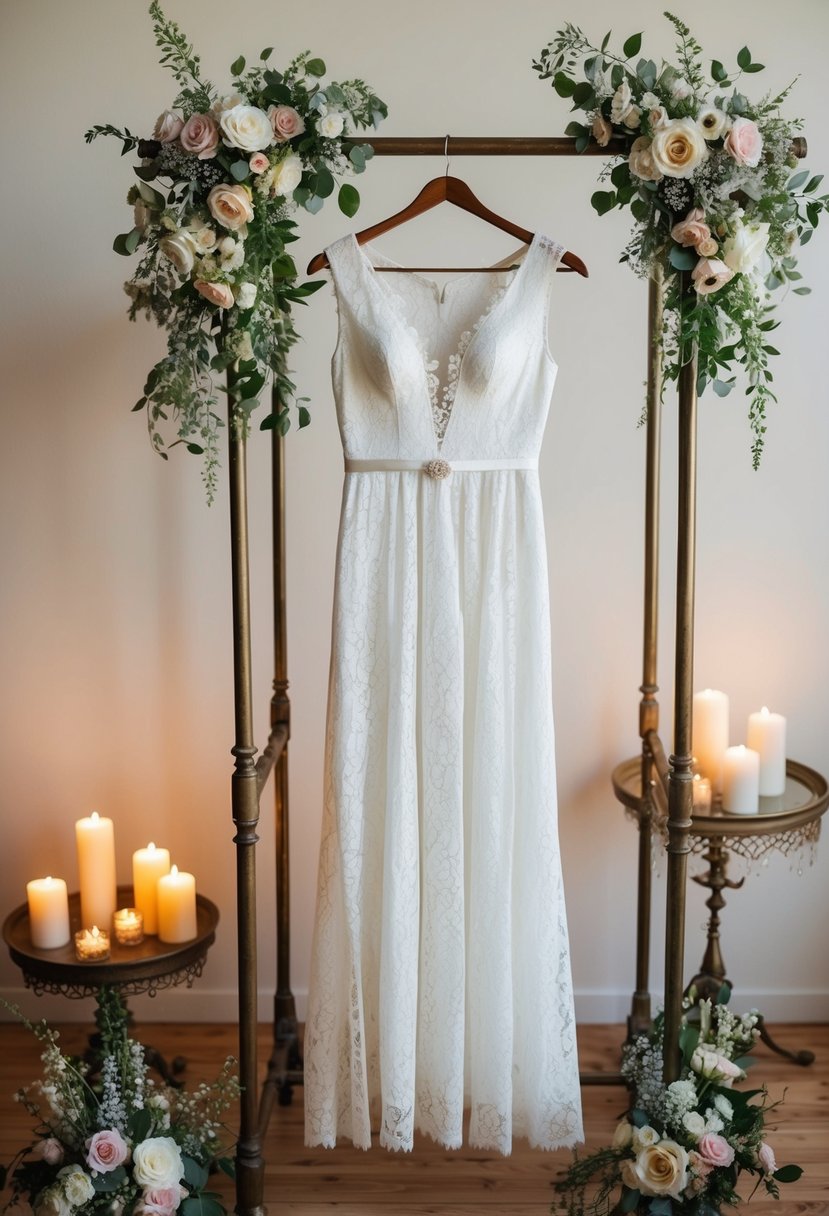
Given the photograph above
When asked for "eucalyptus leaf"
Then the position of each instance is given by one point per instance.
(240, 169)
(802, 291)
(794, 183)
(581, 142)
(120, 244)
(357, 158)
(629, 1201)
(111, 1181)
(314, 204)
(722, 387)
(661, 1207)
(682, 258)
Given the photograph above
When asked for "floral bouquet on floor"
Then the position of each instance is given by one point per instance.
(118, 1144)
(707, 173)
(682, 1147)
(217, 183)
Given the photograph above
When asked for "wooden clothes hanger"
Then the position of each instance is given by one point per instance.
(446, 189)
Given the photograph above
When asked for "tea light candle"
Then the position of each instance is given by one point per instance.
(96, 868)
(741, 781)
(148, 865)
(48, 912)
(92, 945)
(702, 794)
(767, 735)
(176, 906)
(709, 729)
(129, 926)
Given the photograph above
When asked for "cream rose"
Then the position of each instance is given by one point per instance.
(694, 1124)
(711, 121)
(711, 1064)
(709, 275)
(221, 295)
(49, 1150)
(715, 1150)
(602, 130)
(707, 248)
(157, 1162)
(204, 238)
(628, 1174)
(200, 135)
(623, 1134)
(744, 248)
(163, 1200)
(286, 122)
(657, 117)
(106, 1150)
(744, 142)
(680, 89)
(286, 175)
(246, 127)
(226, 103)
(167, 127)
(643, 1137)
(641, 160)
(331, 125)
(662, 1169)
(230, 205)
(76, 1185)
(693, 229)
(632, 118)
(179, 248)
(678, 147)
(53, 1202)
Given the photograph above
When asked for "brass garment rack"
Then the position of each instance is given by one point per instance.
(667, 781)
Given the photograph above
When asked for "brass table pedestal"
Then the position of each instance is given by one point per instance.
(148, 967)
(787, 824)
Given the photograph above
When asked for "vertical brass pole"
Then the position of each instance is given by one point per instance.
(680, 788)
(640, 1014)
(250, 1165)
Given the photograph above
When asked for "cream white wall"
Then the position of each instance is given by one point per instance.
(116, 638)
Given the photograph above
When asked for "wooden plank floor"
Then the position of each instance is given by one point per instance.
(345, 1181)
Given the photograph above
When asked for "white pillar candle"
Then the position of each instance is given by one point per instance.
(48, 912)
(176, 906)
(767, 735)
(709, 728)
(741, 781)
(148, 865)
(96, 869)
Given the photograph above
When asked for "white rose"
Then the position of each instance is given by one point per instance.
(331, 125)
(713, 1122)
(743, 250)
(286, 175)
(246, 127)
(226, 103)
(623, 1134)
(678, 147)
(179, 248)
(641, 160)
(52, 1202)
(621, 103)
(246, 296)
(204, 238)
(723, 1106)
(76, 1185)
(157, 1162)
(650, 101)
(232, 254)
(632, 117)
(644, 1137)
(167, 127)
(680, 89)
(694, 1124)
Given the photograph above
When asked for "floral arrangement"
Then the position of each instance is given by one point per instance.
(213, 232)
(707, 175)
(681, 1148)
(118, 1144)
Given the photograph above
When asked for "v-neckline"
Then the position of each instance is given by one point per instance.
(461, 349)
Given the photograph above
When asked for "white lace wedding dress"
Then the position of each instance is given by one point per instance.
(440, 972)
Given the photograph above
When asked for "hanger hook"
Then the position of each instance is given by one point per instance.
(446, 154)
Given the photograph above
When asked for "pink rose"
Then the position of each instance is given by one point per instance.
(693, 229)
(744, 142)
(709, 275)
(167, 127)
(259, 162)
(200, 135)
(105, 1151)
(701, 1168)
(602, 130)
(766, 1158)
(715, 1149)
(50, 1150)
(163, 1200)
(216, 293)
(286, 123)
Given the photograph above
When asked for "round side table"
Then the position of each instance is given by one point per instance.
(787, 823)
(148, 967)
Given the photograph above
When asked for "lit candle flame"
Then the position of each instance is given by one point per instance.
(174, 870)
(94, 817)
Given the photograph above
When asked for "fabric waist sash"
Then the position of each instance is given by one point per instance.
(438, 467)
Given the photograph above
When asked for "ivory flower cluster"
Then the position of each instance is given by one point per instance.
(125, 1144)
(218, 180)
(685, 1144)
(708, 175)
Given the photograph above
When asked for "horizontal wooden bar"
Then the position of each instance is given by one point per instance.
(274, 748)
(507, 145)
